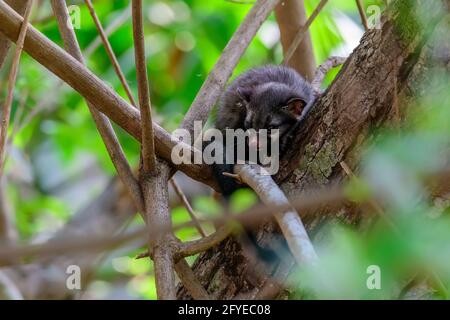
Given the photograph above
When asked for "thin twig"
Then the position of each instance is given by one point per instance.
(103, 124)
(231, 55)
(362, 14)
(116, 24)
(15, 124)
(188, 206)
(307, 204)
(110, 51)
(192, 248)
(147, 143)
(6, 111)
(302, 32)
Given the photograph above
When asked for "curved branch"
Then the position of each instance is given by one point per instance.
(289, 220)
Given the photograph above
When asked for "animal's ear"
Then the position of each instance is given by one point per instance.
(244, 93)
(295, 107)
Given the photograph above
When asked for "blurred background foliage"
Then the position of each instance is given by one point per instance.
(58, 163)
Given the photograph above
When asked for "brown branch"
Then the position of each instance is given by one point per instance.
(147, 142)
(19, 6)
(6, 110)
(291, 15)
(306, 204)
(94, 90)
(110, 51)
(10, 289)
(102, 122)
(156, 197)
(117, 23)
(191, 248)
(194, 247)
(362, 14)
(189, 280)
(302, 32)
(231, 55)
(188, 206)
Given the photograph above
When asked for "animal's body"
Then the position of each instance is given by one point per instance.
(269, 97)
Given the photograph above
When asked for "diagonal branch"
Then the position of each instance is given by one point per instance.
(6, 110)
(231, 55)
(289, 220)
(19, 6)
(110, 51)
(290, 16)
(302, 32)
(94, 90)
(102, 122)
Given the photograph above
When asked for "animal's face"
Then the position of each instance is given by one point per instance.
(273, 106)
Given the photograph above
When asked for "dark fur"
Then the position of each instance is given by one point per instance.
(256, 100)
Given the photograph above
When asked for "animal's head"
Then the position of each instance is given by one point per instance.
(275, 106)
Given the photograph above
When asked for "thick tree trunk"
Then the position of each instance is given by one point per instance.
(361, 98)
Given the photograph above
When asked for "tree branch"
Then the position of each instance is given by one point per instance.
(103, 124)
(217, 79)
(289, 221)
(301, 34)
(291, 16)
(19, 6)
(6, 110)
(93, 89)
(110, 52)
(147, 142)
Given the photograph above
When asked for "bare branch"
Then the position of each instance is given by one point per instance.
(117, 23)
(288, 220)
(218, 77)
(102, 122)
(6, 110)
(156, 197)
(110, 51)
(147, 142)
(291, 16)
(19, 6)
(194, 247)
(188, 206)
(94, 90)
(302, 32)
(190, 281)
(362, 14)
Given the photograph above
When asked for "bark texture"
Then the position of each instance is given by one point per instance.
(361, 98)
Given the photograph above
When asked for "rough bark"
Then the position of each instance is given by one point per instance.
(223, 270)
(360, 98)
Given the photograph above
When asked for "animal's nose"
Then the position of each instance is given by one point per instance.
(247, 124)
